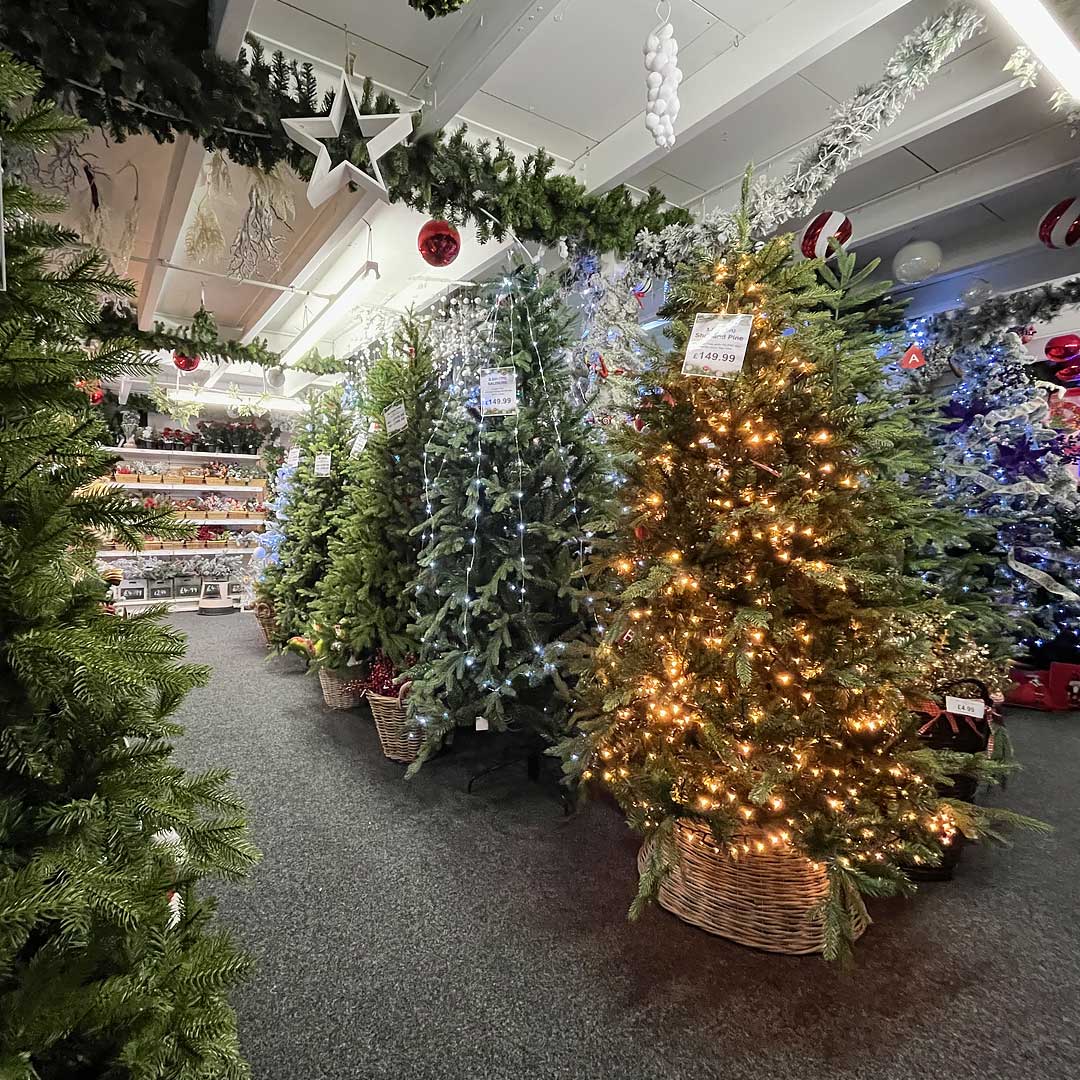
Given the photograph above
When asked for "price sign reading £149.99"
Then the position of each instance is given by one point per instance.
(498, 392)
(717, 345)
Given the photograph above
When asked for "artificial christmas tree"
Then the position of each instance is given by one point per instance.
(363, 601)
(515, 491)
(307, 509)
(109, 964)
(1002, 462)
(747, 707)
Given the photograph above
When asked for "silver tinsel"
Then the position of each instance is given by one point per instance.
(915, 61)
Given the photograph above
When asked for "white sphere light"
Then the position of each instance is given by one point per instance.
(661, 52)
(916, 261)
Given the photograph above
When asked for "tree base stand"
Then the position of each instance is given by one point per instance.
(764, 899)
(533, 760)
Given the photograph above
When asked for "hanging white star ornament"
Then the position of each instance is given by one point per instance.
(383, 131)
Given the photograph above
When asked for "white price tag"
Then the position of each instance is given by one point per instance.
(498, 392)
(717, 345)
(963, 706)
(293, 457)
(322, 464)
(358, 444)
(395, 418)
(481, 723)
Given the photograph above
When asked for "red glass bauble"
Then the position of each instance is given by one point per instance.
(439, 243)
(96, 396)
(1068, 374)
(1063, 348)
(185, 363)
(641, 532)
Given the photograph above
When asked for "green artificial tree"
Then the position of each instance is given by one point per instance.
(307, 509)
(514, 503)
(751, 692)
(363, 601)
(110, 965)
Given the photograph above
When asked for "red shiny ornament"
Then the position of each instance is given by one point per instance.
(1059, 227)
(1062, 348)
(813, 241)
(439, 243)
(1068, 374)
(96, 396)
(185, 363)
(640, 532)
(639, 424)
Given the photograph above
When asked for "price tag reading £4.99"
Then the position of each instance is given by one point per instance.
(717, 345)
(963, 706)
(498, 392)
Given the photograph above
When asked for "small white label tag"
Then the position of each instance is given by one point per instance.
(481, 723)
(963, 706)
(717, 345)
(322, 464)
(293, 457)
(395, 418)
(358, 444)
(498, 392)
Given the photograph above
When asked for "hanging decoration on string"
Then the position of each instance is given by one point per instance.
(439, 243)
(814, 242)
(383, 131)
(1062, 348)
(205, 240)
(275, 377)
(184, 362)
(916, 261)
(661, 51)
(1059, 227)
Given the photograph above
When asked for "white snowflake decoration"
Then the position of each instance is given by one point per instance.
(661, 62)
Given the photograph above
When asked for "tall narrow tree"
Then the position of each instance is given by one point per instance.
(109, 962)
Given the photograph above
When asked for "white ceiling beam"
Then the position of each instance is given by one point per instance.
(798, 35)
(990, 174)
(295, 381)
(952, 108)
(231, 18)
(217, 375)
(492, 31)
(321, 244)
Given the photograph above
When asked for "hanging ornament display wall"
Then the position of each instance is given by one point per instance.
(814, 241)
(1062, 348)
(1059, 227)
(916, 261)
(661, 51)
(383, 131)
(439, 243)
(184, 362)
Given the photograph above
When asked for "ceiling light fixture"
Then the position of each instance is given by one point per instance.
(1042, 34)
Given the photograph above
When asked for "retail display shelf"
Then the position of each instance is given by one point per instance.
(124, 553)
(230, 488)
(179, 455)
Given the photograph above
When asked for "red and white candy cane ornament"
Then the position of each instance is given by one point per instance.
(1059, 227)
(813, 241)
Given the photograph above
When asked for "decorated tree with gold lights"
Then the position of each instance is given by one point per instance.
(752, 689)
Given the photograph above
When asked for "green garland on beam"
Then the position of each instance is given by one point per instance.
(436, 9)
(152, 72)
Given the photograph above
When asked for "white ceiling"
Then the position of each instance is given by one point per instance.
(971, 163)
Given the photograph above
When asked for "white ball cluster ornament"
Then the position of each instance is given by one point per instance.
(661, 62)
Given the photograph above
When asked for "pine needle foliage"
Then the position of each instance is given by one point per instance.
(363, 601)
(110, 965)
(311, 513)
(515, 503)
(754, 674)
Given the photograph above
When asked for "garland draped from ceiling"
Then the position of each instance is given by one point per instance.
(133, 68)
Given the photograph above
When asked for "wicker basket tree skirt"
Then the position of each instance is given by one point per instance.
(763, 899)
(399, 742)
(339, 693)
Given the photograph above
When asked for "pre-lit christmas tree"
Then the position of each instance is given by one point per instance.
(109, 962)
(307, 510)
(364, 603)
(513, 502)
(1002, 462)
(753, 678)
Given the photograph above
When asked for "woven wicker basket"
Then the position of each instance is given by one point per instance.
(267, 620)
(761, 899)
(337, 692)
(398, 741)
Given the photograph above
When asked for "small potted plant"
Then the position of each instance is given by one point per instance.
(215, 474)
(125, 474)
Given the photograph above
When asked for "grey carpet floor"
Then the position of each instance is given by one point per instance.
(412, 931)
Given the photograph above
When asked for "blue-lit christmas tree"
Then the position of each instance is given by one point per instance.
(1006, 466)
